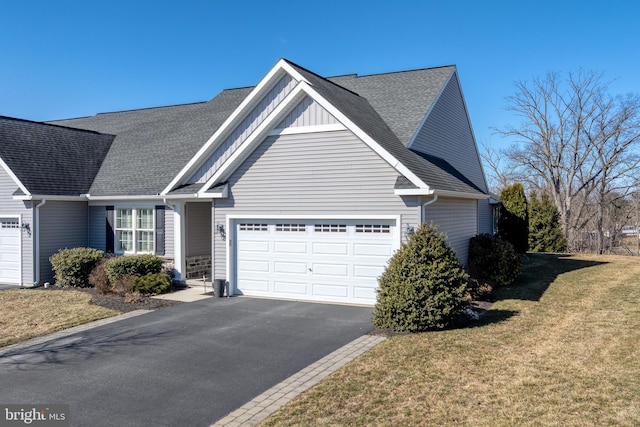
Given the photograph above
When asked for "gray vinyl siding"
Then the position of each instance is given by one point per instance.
(313, 174)
(244, 129)
(198, 229)
(97, 228)
(447, 134)
(307, 113)
(458, 219)
(485, 217)
(169, 236)
(62, 225)
(11, 207)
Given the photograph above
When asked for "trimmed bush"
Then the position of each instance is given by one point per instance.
(492, 259)
(132, 265)
(423, 286)
(73, 266)
(157, 283)
(545, 232)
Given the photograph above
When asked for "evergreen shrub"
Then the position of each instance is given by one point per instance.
(492, 259)
(423, 286)
(73, 266)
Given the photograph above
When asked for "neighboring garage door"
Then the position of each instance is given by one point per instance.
(319, 260)
(9, 250)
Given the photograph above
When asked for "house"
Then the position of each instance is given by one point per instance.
(300, 187)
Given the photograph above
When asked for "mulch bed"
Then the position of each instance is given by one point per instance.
(117, 302)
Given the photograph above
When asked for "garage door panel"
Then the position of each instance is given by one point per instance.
(338, 270)
(253, 285)
(291, 267)
(296, 288)
(9, 250)
(253, 246)
(329, 290)
(336, 261)
(254, 266)
(330, 248)
(290, 247)
(364, 293)
(367, 271)
(368, 249)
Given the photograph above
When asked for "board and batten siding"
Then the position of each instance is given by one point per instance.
(447, 134)
(62, 225)
(458, 219)
(312, 174)
(11, 207)
(241, 132)
(307, 113)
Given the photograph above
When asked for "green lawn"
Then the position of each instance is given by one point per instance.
(561, 347)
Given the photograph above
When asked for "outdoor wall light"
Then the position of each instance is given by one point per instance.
(221, 231)
(409, 231)
(26, 227)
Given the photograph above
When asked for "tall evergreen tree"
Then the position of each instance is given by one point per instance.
(545, 230)
(513, 220)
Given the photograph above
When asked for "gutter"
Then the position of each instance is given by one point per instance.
(36, 240)
(425, 204)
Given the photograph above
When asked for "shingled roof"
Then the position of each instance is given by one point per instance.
(153, 145)
(49, 159)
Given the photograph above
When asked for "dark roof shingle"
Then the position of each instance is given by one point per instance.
(52, 160)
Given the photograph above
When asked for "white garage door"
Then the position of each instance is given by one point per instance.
(319, 260)
(9, 250)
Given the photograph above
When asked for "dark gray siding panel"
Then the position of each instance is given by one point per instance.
(8, 206)
(447, 134)
(62, 225)
(198, 229)
(97, 234)
(314, 174)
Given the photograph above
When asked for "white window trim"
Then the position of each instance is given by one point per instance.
(134, 230)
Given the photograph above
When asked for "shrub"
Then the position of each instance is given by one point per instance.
(123, 285)
(98, 277)
(545, 232)
(132, 265)
(155, 283)
(492, 259)
(513, 221)
(423, 286)
(73, 266)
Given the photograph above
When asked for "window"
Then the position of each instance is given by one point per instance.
(253, 227)
(368, 228)
(291, 227)
(135, 230)
(330, 228)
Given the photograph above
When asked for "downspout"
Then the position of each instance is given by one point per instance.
(424, 207)
(36, 240)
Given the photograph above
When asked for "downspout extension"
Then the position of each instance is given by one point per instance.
(424, 207)
(36, 240)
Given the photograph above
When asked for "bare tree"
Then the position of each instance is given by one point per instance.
(575, 140)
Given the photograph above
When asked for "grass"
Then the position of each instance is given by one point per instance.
(26, 313)
(559, 348)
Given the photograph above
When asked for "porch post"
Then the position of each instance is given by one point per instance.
(179, 228)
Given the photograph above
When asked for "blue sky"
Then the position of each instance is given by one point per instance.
(63, 58)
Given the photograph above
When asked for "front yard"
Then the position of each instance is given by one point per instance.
(561, 347)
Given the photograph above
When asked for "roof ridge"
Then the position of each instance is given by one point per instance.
(326, 79)
(47, 123)
(392, 72)
(146, 108)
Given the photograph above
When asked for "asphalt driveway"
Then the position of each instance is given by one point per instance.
(187, 365)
